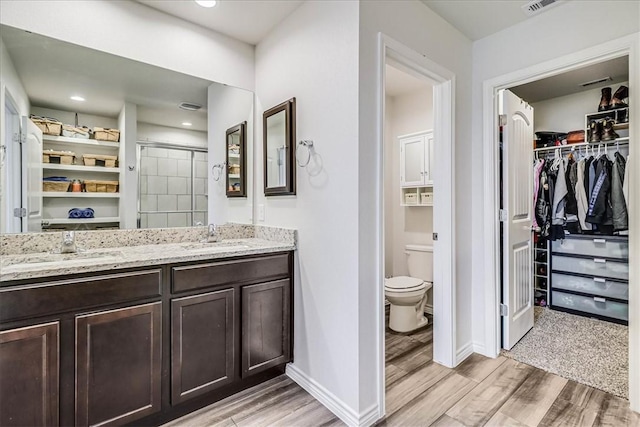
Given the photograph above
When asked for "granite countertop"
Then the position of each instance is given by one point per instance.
(45, 264)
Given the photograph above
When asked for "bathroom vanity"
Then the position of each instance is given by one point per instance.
(141, 334)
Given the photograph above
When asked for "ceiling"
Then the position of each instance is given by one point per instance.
(52, 71)
(247, 20)
(398, 82)
(569, 83)
(479, 18)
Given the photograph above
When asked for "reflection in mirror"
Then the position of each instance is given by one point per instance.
(236, 164)
(148, 167)
(279, 149)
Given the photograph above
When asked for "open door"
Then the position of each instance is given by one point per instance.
(517, 193)
(31, 138)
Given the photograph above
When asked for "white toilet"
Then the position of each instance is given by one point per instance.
(408, 295)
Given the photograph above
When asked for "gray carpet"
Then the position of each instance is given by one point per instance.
(588, 351)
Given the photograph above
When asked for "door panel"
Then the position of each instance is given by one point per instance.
(32, 175)
(412, 164)
(517, 193)
(202, 348)
(118, 365)
(29, 372)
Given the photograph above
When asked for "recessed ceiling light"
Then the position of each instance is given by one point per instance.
(76, 98)
(186, 124)
(206, 3)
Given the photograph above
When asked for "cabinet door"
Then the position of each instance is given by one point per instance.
(429, 157)
(29, 364)
(266, 326)
(202, 341)
(412, 161)
(118, 365)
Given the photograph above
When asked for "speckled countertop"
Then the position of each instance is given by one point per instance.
(20, 266)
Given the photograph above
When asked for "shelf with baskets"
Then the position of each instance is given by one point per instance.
(66, 221)
(85, 195)
(71, 142)
(80, 168)
(416, 196)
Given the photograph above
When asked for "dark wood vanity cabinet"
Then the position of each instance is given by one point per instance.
(141, 347)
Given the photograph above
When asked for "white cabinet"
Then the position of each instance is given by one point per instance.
(416, 159)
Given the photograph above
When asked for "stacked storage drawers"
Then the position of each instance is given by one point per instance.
(590, 276)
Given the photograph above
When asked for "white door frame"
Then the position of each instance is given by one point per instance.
(444, 304)
(628, 45)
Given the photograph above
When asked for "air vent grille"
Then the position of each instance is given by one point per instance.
(596, 81)
(536, 6)
(190, 106)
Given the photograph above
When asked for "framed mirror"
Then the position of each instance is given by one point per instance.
(279, 130)
(236, 161)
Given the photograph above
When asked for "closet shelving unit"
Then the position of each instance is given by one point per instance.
(57, 204)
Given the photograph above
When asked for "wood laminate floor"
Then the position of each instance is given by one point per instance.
(420, 392)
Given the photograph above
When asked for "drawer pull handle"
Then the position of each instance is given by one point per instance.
(599, 279)
(599, 241)
(598, 299)
(599, 260)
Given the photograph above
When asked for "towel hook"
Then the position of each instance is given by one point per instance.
(216, 170)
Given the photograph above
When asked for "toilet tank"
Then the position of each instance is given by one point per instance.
(420, 261)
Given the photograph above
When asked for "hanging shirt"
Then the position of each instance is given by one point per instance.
(587, 169)
(582, 200)
(559, 195)
(618, 204)
(571, 205)
(625, 184)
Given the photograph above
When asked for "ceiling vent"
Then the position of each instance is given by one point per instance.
(596, 81)
(537, 6)
(189, 106)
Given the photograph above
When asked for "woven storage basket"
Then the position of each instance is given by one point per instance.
(99, 160)
(104, 134)
(92, 186)
(71, 131)
(59, 186)
(47, 126)
(58, 157)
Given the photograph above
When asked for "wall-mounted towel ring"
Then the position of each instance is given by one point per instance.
(308, 144)
(216, 170)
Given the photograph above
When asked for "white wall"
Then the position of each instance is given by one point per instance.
(148, 132)
(132, 30)
(313, 56)
(127, 123)
(417, 27)
(529, 43)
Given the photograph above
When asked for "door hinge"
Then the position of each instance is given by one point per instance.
(502, 215)
(504, 310)
(503, 119)
(20, 212)
(435, 237)
(16, 138)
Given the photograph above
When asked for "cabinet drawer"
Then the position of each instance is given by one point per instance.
(591, 267)
(592, 305)
(227, 272)
(591, 285)
(598, 246)
(76, 294)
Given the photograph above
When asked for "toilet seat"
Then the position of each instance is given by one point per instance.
(404, 284)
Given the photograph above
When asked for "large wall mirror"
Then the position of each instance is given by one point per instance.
(158, 173)
(279, 130)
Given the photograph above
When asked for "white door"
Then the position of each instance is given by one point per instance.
(517, 196)
(31, 175)
(429, 154)
(412, 161)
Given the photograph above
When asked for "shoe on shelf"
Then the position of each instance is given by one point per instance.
(595, 131)
(618, 97)
(608, 134)
(605, 100)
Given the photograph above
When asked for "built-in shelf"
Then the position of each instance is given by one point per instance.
(619, 141)
(79, 141)
(234, 156)
(88, 195)
(63, 221)
(234, 175)
(80, 168)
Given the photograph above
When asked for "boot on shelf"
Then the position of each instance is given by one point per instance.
(608, 134)
(618, 97)
(605, 100)
(595, 131)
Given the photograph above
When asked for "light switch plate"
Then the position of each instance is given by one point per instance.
(260, 212)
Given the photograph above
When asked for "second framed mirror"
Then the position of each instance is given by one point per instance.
(236, 161)
(279, 132)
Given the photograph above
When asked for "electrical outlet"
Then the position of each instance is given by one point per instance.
(260, 212)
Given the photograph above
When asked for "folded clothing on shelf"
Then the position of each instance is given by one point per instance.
(76, 213)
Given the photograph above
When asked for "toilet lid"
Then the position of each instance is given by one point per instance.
(404, 283)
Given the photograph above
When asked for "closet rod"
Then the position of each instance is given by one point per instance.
(619, 141)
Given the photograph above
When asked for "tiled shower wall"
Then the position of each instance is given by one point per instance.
(166, 187)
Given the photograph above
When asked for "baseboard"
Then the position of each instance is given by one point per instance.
(464, 352)
(331, 402)
(478, 347)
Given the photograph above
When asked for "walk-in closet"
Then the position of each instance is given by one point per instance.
(580, 226)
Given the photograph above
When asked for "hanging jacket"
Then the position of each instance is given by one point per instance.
(543, 211)
(571, 205)
(582, 200)
(559, 196)
(587, 168)
(537, 169)
(599, 203)
(625, 184)
(592, 177)
(618, 204)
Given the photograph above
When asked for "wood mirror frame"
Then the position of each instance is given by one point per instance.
(239, 161)
(289, 185)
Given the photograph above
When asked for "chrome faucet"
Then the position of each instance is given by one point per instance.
(213, 234)
(68, 245)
